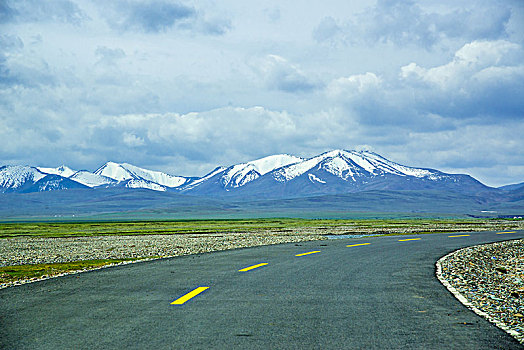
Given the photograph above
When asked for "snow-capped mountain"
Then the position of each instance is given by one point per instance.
(140, 177)
(92, 180)
(350, 166)
(239, 175)
(17, 177)
(204, 179)
(30, 179)
(53, 182)
(276, 176)
(61, 170)
(333, 172)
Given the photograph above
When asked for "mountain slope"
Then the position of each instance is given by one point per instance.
(512, 187)
(124, 172)
(276, 176)
(61, 170)
(238, 175)
(53, 182)
(333, 172)
(89, 179)
(14, 178)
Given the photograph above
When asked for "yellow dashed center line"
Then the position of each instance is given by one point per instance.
(252, 267)
(409, 239)
(189, 295)
(356, 245)
(459, 236)
(313, 252)
(501, 233)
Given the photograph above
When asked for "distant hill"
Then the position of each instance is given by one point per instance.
(512, 187)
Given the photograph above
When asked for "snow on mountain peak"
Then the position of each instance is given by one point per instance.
(240, 174)
(145, 184)
(358, 167)
(125, 171)
(270, 163)
(393, 167)
(160, 178)
(114, 171)
(62, 170)
(345, 164)
(14, 176)
(90, 179)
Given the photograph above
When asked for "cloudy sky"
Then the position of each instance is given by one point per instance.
(183, 86)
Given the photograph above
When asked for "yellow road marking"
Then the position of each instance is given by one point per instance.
(501, 233)
(356, 245)
(189, 295)
(313, 252)
(408, 239)
(459, 236)
(252, 267)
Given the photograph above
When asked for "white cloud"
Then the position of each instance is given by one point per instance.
(354, 85)
(405, 23)
(132, 140)
(175, 89)
(471, 59)
(483, 81)
(279, 73)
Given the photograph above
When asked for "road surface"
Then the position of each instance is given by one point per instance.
(366, 293)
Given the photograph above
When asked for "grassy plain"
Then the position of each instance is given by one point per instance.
(362, 226)
(24, 272)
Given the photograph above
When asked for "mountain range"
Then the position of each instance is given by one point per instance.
(343, 179)
(282, 175)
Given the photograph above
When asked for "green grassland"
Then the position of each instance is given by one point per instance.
(24, 272)
(374, 226)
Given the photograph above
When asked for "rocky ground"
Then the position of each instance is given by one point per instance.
(31, 250)
(21, 251)
(491, 278)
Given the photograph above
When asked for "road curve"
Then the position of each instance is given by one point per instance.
(367, 293)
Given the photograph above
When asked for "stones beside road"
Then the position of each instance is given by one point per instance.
(32, 250)
(491, 278)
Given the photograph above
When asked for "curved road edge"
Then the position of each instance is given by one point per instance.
(460, 297)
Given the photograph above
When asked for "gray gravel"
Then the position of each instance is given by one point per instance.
(491, 278)
(27, 250)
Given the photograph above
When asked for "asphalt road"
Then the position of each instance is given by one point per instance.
(382, 295)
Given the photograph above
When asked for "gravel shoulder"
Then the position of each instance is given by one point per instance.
(33, 250)
(489, 280)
